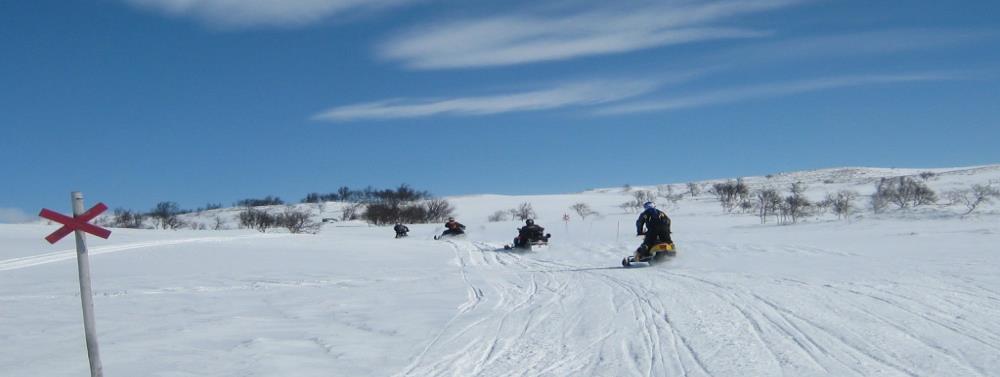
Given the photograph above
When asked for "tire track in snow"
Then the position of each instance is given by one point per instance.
(650, 316)
(63, 255)
(526, 333)
(846, 342)
(908, 333)
(940, 316)
(473, 298)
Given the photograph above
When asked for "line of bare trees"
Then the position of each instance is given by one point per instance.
(522, 212)
(292, 219)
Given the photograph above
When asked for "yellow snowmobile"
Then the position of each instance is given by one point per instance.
(657, 253)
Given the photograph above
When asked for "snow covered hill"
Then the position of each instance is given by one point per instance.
(911, 292)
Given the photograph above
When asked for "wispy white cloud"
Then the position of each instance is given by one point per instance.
(584, 93)
(732, 95)
(854, 44)
(530, 37)
(249, 13)
(13, 215)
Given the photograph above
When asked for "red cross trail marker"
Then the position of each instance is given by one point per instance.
(79, 224)
(76, 223)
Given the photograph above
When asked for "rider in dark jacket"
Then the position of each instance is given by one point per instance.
(401, 230)
(657, 226)
(454, 228)
(530, 232)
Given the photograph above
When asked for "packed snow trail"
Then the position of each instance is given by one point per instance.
(63, 255)
(540, 314)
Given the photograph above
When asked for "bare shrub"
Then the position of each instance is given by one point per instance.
(498, 216)
(209, 207)
(218, 223)
(257, 219)
(841, 203)
(694, 189)
(407, 212)
(351, 211)
(638, 197)
(730, 194)
(795, 207)
(973, 197)
(437, 210)
(165, 215)
(254, 202)
(927, 175)
(124, 218)
(297, 221)
(524, 211)
(583, 210)
(667, 192)
(904, 192)
(880, 199)
(768, 202)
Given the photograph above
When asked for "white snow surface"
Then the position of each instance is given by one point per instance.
(906, 293)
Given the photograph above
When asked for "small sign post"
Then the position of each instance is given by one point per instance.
(79, 224)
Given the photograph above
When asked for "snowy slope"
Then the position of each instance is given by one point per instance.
(907, 293)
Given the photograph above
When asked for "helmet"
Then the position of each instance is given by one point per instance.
(529, 222)
(648, 205)
(451, 219)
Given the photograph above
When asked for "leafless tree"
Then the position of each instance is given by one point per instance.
(842, 203)
(351, 211)
(257, 219)
(165, 215)
(973, 197)
(730, 194)
(583, 210)
(297, 221)
(796, 207)
(219, 224)
(667, 192)
(694, 189)
(638, 198)
(124, 218)
(437, 210)
(524, 211)
(768, 202)
(904, 192)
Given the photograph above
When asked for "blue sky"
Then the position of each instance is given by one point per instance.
(205, 101)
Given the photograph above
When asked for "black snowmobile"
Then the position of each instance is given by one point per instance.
(454, 229)
(529, 236)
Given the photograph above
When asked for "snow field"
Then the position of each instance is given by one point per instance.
(911, 293)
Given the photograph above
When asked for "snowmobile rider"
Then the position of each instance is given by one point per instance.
(529, 233)
(401, 230)
(657, 229)
(454, 228)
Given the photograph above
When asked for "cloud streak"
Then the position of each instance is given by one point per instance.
(586, 93)
(856, 44)
(733, 95)
(528, 38)
(253, 13)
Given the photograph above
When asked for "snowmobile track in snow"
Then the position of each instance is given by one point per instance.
(63, 255)
(666, 320)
